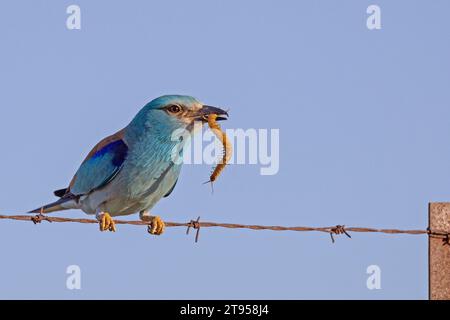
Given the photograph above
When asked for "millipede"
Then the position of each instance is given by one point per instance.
(227, 150)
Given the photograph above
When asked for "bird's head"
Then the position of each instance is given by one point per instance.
(172, 112)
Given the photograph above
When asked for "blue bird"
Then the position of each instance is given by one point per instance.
(131, 170)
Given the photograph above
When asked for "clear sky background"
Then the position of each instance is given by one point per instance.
(364, 128)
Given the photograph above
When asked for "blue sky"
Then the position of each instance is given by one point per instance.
(363, 119)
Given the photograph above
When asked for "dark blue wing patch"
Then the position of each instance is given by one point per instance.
(118, 149)
(102, 167)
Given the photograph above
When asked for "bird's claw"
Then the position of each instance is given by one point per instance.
(107, 223)
(156, 225)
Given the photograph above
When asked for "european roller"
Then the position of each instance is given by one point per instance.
(131, 170)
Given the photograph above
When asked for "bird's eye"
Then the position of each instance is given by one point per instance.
(174, 108)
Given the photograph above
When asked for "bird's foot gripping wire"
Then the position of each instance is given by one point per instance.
(106, 222)
(156, 226)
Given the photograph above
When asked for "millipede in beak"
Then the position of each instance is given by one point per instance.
(227, 150)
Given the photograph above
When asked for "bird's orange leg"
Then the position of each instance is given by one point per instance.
(156, 225)
(106, 222)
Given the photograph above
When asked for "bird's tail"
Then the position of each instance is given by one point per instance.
(59, 205)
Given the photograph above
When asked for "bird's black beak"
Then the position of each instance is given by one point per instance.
(205, 111)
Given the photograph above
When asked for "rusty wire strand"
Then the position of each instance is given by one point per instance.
(196, 224)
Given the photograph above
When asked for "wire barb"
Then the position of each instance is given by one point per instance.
(339, 229)
(195, 224)
(40, 217)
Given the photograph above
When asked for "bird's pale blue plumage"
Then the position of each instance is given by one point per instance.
(131, 170)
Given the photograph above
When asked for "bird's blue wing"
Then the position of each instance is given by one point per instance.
(100, 167)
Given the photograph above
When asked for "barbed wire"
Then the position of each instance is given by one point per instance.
(197, 225)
